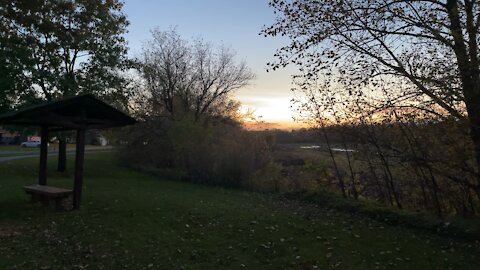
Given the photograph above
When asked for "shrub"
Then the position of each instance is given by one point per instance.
(211, 152)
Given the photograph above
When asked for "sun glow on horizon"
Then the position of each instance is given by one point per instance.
(269, 112)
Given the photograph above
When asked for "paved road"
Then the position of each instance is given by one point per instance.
(15, 155)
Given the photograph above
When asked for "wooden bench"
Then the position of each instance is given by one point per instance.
(46, 193)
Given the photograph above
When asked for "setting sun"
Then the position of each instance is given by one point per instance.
(274, 111)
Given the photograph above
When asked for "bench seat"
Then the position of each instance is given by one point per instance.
(46, 193)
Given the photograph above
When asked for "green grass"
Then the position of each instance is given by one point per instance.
(17, 150)
(133, 220)
(449, 226)
(4, 147)
(10, 150)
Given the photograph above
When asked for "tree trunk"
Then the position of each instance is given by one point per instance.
(389, 191)
(62, 155)
(350, 167)
(477, 191)
(435, 189)
(388, 174)
(79, 160)
(474, 117)
(335, 166)
(42, 172)
(472, 102)
(377, 181)
(468, 66)
(416, 147)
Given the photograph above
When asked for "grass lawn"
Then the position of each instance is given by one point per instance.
(131, 220)
(17, 150)
(10, 150)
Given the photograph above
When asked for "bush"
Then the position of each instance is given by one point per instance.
(211, 152)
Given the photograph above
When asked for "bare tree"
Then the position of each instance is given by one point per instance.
(428, 46)
(184, 76)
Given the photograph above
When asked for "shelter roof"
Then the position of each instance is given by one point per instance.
(78, 112)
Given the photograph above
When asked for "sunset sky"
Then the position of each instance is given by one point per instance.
(233, 23)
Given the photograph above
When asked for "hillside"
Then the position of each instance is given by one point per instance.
(132, 220)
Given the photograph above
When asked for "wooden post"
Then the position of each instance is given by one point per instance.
(79, 156)
(62, 155)
(42, 172)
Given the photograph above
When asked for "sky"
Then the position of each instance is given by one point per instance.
(234, 23)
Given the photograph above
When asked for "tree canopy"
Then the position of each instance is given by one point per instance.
(190, 77)
(51, 49)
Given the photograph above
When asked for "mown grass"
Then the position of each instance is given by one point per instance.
(9, 150)
(17, 150)
(133, 220)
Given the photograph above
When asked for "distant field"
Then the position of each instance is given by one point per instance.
(132, 220)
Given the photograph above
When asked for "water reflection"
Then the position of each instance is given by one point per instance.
(333, 149)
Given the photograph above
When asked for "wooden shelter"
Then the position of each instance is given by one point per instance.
(78, 113)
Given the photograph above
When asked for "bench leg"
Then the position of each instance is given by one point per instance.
(59, 204)
(34, 198)
(45, 202)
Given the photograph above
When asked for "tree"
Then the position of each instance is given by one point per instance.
(9, 81)
(427, 49)
(189, 77)
(190, 123)
(52, 49)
